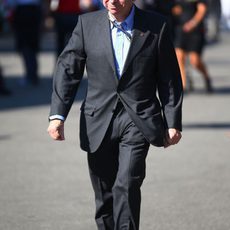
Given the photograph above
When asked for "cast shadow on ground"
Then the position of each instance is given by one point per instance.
(216, 91)
(222, 90)
(29, 96)
(212, 125)
(5, 137)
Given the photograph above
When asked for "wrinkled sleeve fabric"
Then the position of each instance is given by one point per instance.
(68, 73)
(169, 81)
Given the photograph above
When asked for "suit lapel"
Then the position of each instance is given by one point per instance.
(140, 34)
(107, 41)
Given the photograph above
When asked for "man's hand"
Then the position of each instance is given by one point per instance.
(56, 130)
(173, 136)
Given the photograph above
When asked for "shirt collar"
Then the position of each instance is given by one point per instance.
(129, 20)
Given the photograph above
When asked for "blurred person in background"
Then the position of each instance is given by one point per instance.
(27, 18)
(65, 13)
(163, 7)
(190, 37)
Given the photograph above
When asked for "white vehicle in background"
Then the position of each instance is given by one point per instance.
(225, 7)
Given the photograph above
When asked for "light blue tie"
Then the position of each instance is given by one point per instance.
(119, 47)
(123, 28)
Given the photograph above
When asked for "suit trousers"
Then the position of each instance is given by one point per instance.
(117, 170)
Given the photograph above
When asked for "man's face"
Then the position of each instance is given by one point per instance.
(118, 8)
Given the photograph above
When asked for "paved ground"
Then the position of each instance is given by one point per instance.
(44, 185)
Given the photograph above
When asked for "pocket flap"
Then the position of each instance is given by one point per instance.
(88, 109)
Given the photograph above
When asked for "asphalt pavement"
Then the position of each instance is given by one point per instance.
(44, 185)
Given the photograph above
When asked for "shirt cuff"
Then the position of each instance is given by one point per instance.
(58, 117)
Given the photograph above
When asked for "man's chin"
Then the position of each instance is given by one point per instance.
(113, 11)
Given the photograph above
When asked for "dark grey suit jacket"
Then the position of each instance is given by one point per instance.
(150, 86)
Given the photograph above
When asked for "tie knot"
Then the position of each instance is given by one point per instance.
(124, 25)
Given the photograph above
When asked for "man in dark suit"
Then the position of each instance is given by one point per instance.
(134, 98)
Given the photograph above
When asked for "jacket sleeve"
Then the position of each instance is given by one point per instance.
(169, 81)
(68, 73)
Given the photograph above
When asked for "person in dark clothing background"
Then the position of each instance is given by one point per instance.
(190, 37)
(27, 24)
(65, 13)
(165, 7)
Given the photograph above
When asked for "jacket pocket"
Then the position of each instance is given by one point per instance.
(88, 109)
